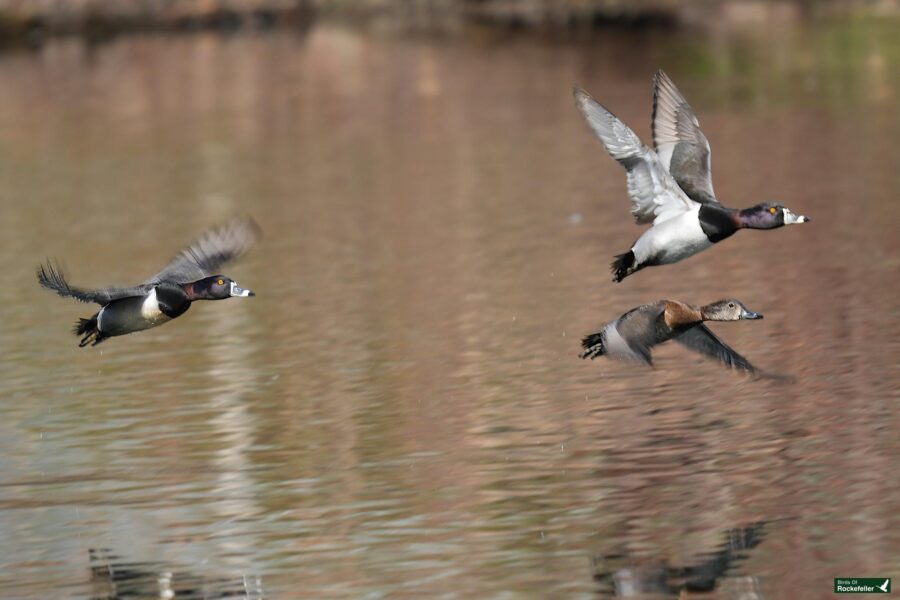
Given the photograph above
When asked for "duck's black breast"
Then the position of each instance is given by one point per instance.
(172, 299)
(717, 222)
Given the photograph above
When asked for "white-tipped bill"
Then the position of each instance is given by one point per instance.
(237, 290)
(790, 218)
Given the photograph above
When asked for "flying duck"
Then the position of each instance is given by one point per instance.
(190, 276)
(671, 187)
(631, 336)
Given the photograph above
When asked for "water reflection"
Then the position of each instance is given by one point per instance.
(115, 579)
(619, 579)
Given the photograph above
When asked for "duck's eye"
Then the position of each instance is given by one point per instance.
(731, 305)
(773, 210)
(221, 282)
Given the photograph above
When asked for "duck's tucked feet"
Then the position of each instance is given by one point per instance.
(88, 329)
(592, 352)
(593, 346)
(623, 266)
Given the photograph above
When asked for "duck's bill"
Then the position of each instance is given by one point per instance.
(749, 314)
(790, 218)
(240, 292)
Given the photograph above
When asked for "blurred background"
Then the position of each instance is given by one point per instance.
(401, 411)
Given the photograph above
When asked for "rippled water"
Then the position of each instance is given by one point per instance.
(401, 411)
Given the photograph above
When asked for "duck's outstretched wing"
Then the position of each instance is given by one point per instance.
(681, 146)
(52, 278)
(210, 251)
(700, 339)
(655, 195)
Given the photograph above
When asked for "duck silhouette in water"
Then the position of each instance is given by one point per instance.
(115, 579)
(620, 577)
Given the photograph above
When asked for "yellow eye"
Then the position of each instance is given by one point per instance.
(773, 210)
(220, 282)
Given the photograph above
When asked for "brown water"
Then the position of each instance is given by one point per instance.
(401, 411)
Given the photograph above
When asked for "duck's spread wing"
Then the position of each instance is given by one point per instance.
(52, 278)
(212, 250)
(681, 146)
(700, 339)
(655, 195)
(633, 334)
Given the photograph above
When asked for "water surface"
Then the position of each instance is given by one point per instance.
(401, 411)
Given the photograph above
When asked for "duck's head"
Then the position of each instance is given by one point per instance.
(728, 309)
(217, 287)
(769, 215)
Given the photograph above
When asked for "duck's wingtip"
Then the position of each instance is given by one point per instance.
(660, 77)
(249, 224)
(51, 275)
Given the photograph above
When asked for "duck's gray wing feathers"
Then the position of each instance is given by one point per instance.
(52, 278)
(681, 146)
(655, 195)
(212, 250)
(700, 339)
(632, 335)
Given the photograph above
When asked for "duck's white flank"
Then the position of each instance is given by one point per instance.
(100, 319)
(672, 240)
(150, 307)
(150, 310)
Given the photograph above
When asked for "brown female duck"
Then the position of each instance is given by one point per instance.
(631, 336)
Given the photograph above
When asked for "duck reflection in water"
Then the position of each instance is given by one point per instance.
(115, 579)
(661, 580)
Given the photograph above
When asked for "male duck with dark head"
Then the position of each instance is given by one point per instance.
(671, 187)
(631, 336)
(190, 276)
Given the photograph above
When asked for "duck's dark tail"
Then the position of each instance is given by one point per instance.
(623, 266)
(88, 329)
(593, 346)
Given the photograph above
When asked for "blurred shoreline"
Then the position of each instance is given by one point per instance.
(32, 22)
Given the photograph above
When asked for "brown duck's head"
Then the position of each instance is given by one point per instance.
(728, 309)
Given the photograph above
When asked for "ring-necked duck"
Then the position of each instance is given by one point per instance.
(168, 294)
(631, 336)
(672, 186)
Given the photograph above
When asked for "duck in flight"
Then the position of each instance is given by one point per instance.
(631, 336)
(190, 276)
(671, 186)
